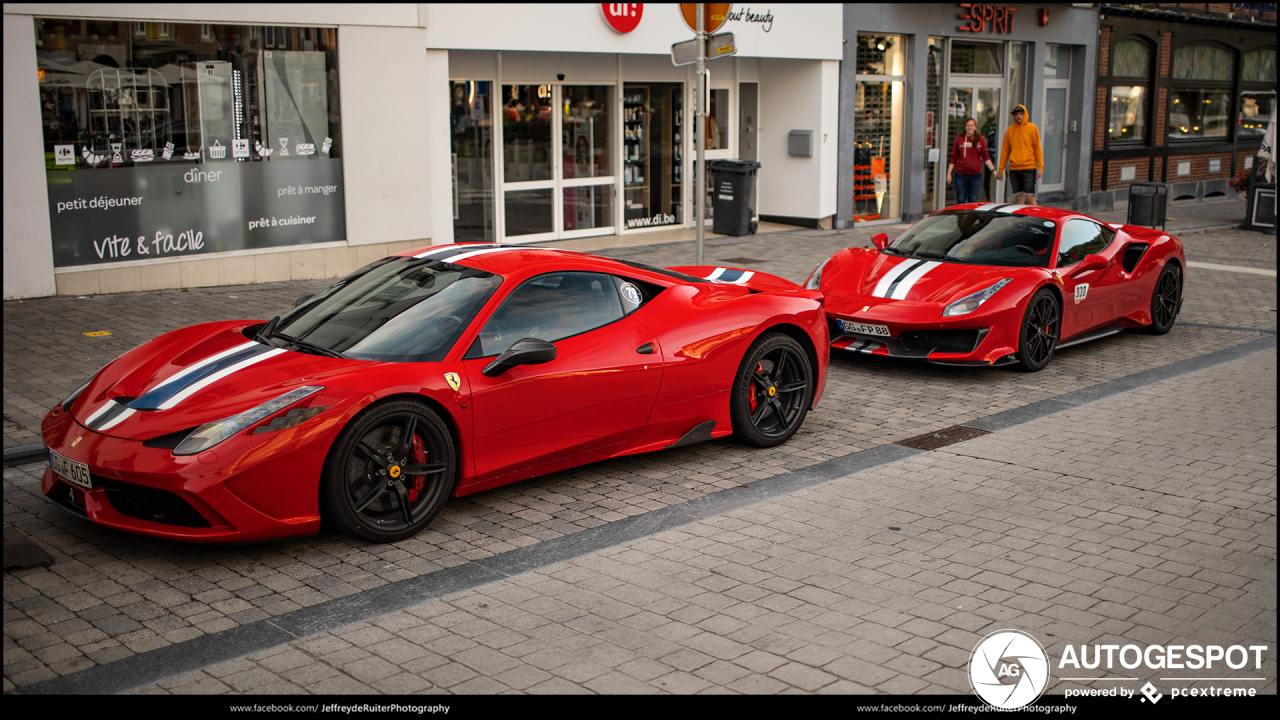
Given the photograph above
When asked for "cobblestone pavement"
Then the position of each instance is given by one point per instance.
(1068, 527)
(111, 596)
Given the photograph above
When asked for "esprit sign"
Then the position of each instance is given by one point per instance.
(622, 17)
(1000, 19)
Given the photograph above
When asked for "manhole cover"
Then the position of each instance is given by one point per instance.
(943, 438)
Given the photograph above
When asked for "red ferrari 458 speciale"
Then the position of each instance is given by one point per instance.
(435, 372)
(996, 284)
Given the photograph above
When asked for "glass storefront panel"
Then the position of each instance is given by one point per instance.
(526, 133)
(1055, 128)
(586, 144)
(983, 105)
(471, 128)
(652, 154)
(934, 153)
(187, 139)
(589, 206)
(718, 120)
(529, 212)
(971, 58)
(877, 150)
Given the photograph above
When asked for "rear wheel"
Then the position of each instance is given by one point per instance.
(1166, 300)
(772, 391)
(389, 473)
(1041, 328)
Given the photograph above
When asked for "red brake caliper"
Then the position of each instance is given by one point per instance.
(752, 403)
(419, 458)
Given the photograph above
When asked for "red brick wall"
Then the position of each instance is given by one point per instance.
(1199, 167)
(1166, 53)
(1162, 109)
(1104, 51)
(1100, 118)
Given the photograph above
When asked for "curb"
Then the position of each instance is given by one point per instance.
(23, 454)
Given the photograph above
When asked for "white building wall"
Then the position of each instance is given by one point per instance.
(797, 95)
(28, 245)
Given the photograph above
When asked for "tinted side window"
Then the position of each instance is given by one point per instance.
(1080, 238)
(550, 307)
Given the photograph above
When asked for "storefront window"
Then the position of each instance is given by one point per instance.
(717, 137)
(170, 139)
(1258, 96)
(1128, 114)
(1131, 58)
(1202, 62)
(1057, 62)
(652, 125)
(933, 136)
(471, 126)
(1198, 114)
(878, 126)
(976, 58)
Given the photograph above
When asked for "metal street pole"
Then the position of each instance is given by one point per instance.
(699, 133)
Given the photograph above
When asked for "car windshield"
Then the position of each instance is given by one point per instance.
(981, 238)
(399, 309)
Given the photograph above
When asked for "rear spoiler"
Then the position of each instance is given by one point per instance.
(751, 279)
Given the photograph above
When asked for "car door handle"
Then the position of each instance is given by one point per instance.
(645, 349)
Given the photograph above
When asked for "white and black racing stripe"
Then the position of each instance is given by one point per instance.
(731, 276)
(864, 346)
(108, 415)
(988, 207)
(1010, 209)
(896, 283)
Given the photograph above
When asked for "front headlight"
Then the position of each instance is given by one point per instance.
(210, 434)
(815, 279)
(969, 303)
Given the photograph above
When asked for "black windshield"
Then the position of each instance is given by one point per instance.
(981, 238)
(398, 310)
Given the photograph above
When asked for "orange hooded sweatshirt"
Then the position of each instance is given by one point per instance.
(1021, 148)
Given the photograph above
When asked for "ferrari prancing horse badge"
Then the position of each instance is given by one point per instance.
(453, 380)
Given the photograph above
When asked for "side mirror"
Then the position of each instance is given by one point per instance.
(1090, 262)
(529, 351)
(880, 240)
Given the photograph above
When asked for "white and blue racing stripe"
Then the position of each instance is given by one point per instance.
(1010, 209)
(987, 207)
(209, 380)
(155, 398)
(730, 276)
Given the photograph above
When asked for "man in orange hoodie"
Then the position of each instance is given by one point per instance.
(1022, 154)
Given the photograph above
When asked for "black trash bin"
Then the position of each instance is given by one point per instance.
(735, 186)
(1148, 203)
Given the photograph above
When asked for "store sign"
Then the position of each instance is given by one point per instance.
(987, 18)
(186, 210)
(622, 17)
(765, 19)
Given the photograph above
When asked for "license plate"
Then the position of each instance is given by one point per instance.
(864, 328)
(76, 473)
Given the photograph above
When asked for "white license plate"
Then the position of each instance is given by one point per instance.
(76, 473)
(864, 328)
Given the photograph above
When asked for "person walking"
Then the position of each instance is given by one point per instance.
(968, 155)
(1022, 153)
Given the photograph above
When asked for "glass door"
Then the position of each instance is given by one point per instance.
(1054, 136)
(652, 154)
(558, 176)
(972, 100)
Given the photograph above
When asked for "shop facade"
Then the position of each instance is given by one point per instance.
(913, 74)
(206, 145)
(1184, 97)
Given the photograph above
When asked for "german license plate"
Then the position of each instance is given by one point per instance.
(864, 328)
(76, 473)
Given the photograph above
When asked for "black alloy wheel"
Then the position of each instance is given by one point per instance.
(1041, 329)
(389, 473)
(772, 391)
(1166, 300)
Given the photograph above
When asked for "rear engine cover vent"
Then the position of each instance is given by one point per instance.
(942, 438)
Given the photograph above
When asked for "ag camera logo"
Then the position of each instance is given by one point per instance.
(1009, 669)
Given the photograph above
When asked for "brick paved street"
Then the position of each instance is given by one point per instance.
(1151, 515)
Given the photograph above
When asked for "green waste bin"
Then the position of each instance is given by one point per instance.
(735, 188)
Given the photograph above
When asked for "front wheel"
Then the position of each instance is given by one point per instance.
(389, 473)
(772, 391)
(1041, 328)
(1166, 300)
